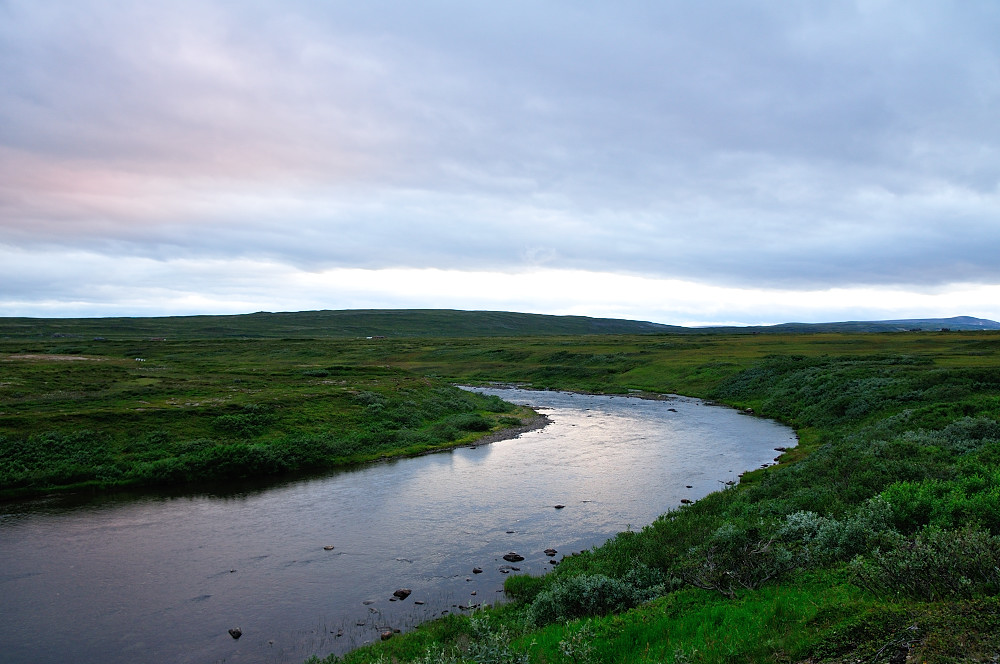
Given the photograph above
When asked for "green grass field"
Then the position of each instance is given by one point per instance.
(875, 540)
(134, 414)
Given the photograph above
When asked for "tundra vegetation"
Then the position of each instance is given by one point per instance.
(167, 414)
(876, 539)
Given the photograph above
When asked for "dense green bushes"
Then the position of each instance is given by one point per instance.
(818, 540)
(934, 564)
(972, 500)
(885, 490)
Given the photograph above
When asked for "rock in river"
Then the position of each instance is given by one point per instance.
(236, 632)
(402, 593)
(513, 557)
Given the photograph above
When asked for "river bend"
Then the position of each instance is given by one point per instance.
(127, 579)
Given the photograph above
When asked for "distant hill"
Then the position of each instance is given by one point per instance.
(417, 323)
(347, 323)
(910, 324)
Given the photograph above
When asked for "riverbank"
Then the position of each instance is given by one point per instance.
(875, 540)
(531, 424)
(196, 414)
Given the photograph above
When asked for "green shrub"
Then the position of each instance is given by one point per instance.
(822, 540)
(946, 504)
(470, 422)
(443, 432)
(735, 558)
(490, 643)
(494, 404)
(586, 595)
(934, 564)
(252, 420)
(370, 398)
(961, 436)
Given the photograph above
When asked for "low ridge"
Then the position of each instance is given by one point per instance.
(420, 323)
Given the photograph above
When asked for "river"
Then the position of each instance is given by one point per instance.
(125, 579)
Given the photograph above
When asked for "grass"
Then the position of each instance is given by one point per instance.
(878, 535)
(128, 414)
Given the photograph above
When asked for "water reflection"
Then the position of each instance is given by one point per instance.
(152, 578)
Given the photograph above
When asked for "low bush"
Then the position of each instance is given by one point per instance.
(494, 404)
(587, 595)
(470, 422)
(735, 558)
(934, 564)
(252, 420)
(971, 500)
(490, 643)
(820, 540)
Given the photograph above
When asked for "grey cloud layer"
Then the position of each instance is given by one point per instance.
(810, 145)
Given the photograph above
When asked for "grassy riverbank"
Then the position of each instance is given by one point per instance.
(145, 414)
(874, 540)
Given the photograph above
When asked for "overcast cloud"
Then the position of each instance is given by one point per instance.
(730, 162)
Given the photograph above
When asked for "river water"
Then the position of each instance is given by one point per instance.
(162, 579)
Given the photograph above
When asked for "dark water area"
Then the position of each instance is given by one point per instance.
(162, 579)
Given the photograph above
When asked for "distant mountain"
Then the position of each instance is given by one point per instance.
(418, 323)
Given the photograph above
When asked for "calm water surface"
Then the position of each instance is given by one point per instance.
(162, 579)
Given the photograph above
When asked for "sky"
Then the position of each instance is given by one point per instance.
(689, 163)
